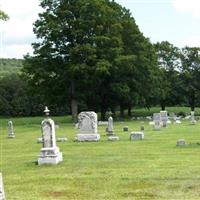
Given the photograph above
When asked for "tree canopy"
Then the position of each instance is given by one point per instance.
(3, 16)
(90, 51)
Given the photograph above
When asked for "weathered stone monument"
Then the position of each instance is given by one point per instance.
(10, 130)
(157, 121)
(110, 126)
(136, 136)
(2, 194)
(49, 153)
(163, 118)
(87, 123)
(193, 121)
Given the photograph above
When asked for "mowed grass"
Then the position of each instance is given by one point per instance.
(153, 168)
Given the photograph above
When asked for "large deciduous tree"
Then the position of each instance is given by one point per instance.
(91, 51)
(169, 86)
(190, 74)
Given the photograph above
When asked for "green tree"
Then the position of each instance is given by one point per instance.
(83, 56)
(169, 86)
(3, 16)
(190, 74)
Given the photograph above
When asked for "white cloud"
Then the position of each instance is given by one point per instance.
(16, 33)
(187, 6)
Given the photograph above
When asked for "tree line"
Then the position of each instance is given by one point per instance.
(91, 55)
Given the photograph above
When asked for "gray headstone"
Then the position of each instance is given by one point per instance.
(163, 118)
(157, 121)
(49, 153)
(10, 130)
(110, 125)
(180, 142)
(87, 123)
(125, 129)
(136, 136)
(2, 193)
(193, 121)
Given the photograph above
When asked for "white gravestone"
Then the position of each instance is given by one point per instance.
(49, 153)
(113, 138)
(164, 118)
(136, 136)
(87, 123)
(157, 121)
(10, 130)
(2, 194)
(193, 121)
(110, 126)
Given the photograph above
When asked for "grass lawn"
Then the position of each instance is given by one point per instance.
(150, 169)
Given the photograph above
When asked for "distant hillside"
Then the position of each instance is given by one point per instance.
(9, 66)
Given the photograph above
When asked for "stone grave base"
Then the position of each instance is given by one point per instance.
(87, 137)
(193, 122)
(109, 133)
(11, 136)
(113, 138)
(61, 139)
(50, 156)
(136, 136)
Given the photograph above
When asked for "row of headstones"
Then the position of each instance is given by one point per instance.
(87, 124)
(161, 119)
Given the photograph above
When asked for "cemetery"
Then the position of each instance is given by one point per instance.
(152, 164)
(96, 103)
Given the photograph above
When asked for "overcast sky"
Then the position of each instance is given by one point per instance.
(176, 21)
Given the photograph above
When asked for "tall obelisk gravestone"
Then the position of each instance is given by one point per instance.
(49, 153)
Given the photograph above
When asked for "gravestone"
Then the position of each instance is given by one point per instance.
(136, 136)
(163, 118)
(125, 128)
(2, 194)
(157, 121)
(10, 130)
(61, 139)
(142, 126)
(110, 126)
(113, 138)
(49, 153)
(180, 142)
(192, 121)
(87, 123)
(40, 140)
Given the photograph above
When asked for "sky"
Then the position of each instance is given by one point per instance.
(176, 21)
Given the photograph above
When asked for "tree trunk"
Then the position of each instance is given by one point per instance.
(74, 103)
(103, 114)
(74, 108)
(121, 111)
(162, 106)
(113, 112)
(129, 110)
(192, 102)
